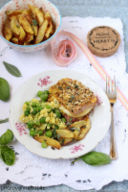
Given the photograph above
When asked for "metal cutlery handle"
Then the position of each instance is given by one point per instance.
(113, 152)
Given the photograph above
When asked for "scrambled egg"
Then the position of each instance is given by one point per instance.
(46, 111)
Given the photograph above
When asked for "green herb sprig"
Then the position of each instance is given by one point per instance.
(13, 70)
(4, 120)
(4, 90)
(6, 153)
(94, 158)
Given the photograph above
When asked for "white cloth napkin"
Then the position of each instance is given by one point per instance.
(32, 170)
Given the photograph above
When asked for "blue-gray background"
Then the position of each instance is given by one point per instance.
(84, 8)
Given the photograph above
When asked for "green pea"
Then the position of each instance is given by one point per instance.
(48, 133)
(34, 112)
(32, 132)
(44, 97)
(44, 144)
(39, 132)
(26, 113)
(39, 108)
(28, 108)
(43, 120)
(39, 93)
(64, 120)
(58, 114)
(37, 123)
(56, 126)
(30, 124)
(48, 107)
(46, 92)
(27, 103)
(34, 104)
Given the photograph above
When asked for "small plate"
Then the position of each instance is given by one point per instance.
(100, 117)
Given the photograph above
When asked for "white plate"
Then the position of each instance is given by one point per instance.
(100, 118)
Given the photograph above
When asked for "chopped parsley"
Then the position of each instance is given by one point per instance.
(34, 21)
(71, 98)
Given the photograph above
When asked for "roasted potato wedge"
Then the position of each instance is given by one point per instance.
(25, 24)
(15, 40)
(7, 30)
(84, 130)
(67, 141)
(47, 16)
(82, 134)
(26, 12)
(28, 39)
(65, 133)
(76, 133)
(11, 13)
(41, 31)
(49, 30)
(22, 34)
(49, 141)
(15, 26)
(79, 124)
(37, 13)
(35, 29)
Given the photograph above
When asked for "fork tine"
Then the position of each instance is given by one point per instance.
(113, 86)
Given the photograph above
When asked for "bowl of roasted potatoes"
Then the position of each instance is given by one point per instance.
(29, 25)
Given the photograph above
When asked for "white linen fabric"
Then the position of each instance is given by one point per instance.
(32, 170)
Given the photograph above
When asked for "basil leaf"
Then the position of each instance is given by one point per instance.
(12, 69)
(4, 90)
(7, 137)
(3, 121)
(96, 158)
(7, 155)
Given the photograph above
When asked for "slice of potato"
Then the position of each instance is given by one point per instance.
(67, 141)
(25, 12)
(11, 13)
(82, 134)
(79, 124)
(15, 40)
(41, 32)
(49, 30)
(32, 8)
(7, 30)
(25, 24)
(28, 39)
(84, 130)
(76, 133)
(22, 34)
(51, 142)
(39, 16)
(64, 133)
(35, 29)
(47, 16)
(37, 13)
(15, 27)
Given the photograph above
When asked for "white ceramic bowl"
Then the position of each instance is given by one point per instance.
(17, 4)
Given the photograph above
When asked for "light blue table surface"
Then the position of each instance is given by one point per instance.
(84, 8)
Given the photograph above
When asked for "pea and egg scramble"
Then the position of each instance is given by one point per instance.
(51, 122)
